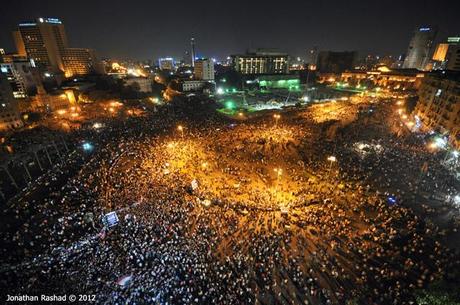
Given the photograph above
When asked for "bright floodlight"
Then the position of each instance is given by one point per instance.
(305, 98)
(220, 90)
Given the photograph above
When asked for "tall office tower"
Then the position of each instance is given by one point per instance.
(418, 53)
(192, 45)
(312, 58)
(44, 42)
(204, 69)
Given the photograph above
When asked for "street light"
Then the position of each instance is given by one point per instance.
(181, 130)
(332, 159)
(276, 116)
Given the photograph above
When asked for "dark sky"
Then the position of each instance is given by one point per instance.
(149, 29)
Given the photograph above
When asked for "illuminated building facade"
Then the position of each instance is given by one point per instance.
(197, 85)
(418, 52)
(19, 43)
(261, 62)
(54, 101)
(79, 61)
(447, 55)
(9, 112)
(45, 42)
(20, 76)
(166, 63)
(439, 105)
(204, 69)
(398, 79)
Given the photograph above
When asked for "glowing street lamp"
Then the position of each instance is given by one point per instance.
(181, 130)
(276, 116)
(331, 159)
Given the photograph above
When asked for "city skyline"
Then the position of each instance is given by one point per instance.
(383, 29)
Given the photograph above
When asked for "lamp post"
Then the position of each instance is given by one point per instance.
(276, 116)
(331, 159)
(181, 130)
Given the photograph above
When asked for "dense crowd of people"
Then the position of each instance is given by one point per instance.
(206, 217)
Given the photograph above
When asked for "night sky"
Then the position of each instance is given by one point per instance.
(150, 29)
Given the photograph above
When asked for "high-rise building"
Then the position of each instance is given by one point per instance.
(9, 112)
(261, 62)
(44, 41)
(418, 53)
(192, 49)
(336, 62)
(438, 106)
(312, 58)
(204, 69)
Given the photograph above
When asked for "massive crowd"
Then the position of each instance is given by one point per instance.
(206, 217)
